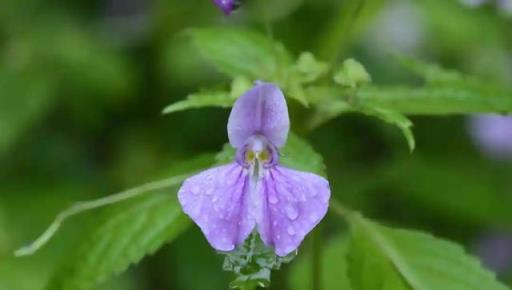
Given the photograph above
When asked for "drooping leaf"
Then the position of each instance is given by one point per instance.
(297, 154)
(394, 118)
(381, 257)
(332, 102)
(125, 233)
(240, 52)
(129, 233)
(334, 267)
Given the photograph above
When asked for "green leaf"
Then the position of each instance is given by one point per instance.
(334, 267)
(241, 52)
(126, 232)
(351, 74)
(394, 118)
(130, 232)
(308, 68)
(332, 102)
(253, 262)
(297, 154)
(384, 258)
(201, 99)
(438, 100)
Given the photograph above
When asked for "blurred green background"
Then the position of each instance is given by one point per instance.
(83, 84)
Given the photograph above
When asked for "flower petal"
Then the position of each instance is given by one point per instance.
(215, 200)
(294, 203)
(261, 110)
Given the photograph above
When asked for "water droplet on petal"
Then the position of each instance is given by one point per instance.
(291, 212)
(273, 199)
(215, 198)
(196, 190)
(291, 230)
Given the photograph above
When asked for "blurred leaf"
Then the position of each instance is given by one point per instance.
(309, 68)
(202, 99)
(384, 258)
(466, 190)
(244, 53)
(437, 100)
(240, 52)
(351, 74)
(334, 267)
(23, 101)
(297, 154)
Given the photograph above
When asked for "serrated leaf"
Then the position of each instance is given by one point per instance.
(201, 99)
(334, 267)
(126, 233)
(130, 232)
(297, 154)
(241, 52)
(385, 258)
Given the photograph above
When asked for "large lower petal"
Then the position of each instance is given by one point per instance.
(215, 199)
(294, 203)
(260, 111)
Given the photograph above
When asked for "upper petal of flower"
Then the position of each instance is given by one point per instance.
(262, 110)
(294, 203)
(215, 199)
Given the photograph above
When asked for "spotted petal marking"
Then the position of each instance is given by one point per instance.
(294, 203)
(215, 200)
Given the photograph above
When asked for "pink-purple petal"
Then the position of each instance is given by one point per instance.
(215, 199)
(260, 111)
(294, 203)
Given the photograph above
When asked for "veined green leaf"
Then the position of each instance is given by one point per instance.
(201, 99)
(334, 265)
(240, 52)
(297, 154)
(385, 258)
(127, 232)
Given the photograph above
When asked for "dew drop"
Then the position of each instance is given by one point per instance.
(215, 198)
(196, 190)
(291, 230)
(313, 217)
(291, 212)
(273, 199)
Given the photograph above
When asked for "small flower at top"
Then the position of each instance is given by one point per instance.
(227, 6)
(255, 193)
(493, 135)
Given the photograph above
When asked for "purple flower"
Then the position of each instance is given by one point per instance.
(254, 193)
(227, 6)
(495, 250)
(493, 134)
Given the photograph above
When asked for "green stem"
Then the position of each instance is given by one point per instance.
(93, 204)
(342, 210)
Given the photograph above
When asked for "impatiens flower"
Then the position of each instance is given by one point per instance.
(227, 6)
(493, 134)
(255, 193)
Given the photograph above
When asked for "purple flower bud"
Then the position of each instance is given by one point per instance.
(493, 135)
(255, 192)
(227, 6)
